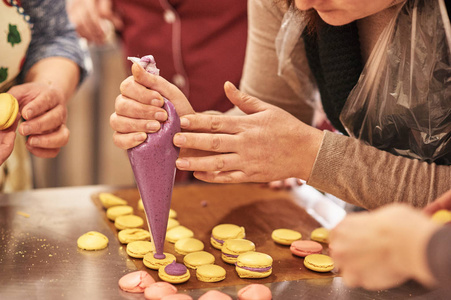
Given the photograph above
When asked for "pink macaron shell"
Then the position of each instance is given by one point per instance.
(177, 297)
(158, 290)
(303, 248)
(215, 295)
(135, 282)
(255, 291)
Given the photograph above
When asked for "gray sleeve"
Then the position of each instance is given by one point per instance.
(439, 255)
(52, 35)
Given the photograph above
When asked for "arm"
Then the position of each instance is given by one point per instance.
(364, 176)
(53, 69)
(295, 91)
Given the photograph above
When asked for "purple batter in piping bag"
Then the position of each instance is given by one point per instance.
(153, 164)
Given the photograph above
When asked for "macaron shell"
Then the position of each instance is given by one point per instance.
(285, 236)
(224, 232)
(136, 282)
(138, 249)
(253, 260)
(152, 263)
(255, 292)
(320, 235)
(303, 248)
(121, 210)
(9, 108)
(188, 245)
(109, 200)
(210, 273)
(92, 240)
(215, 295)
(177, 297)
(235, 247)
(158, 290)
(126, 236)
(319, 262)
(128, 222)
(178, 233)
(173, 278)
(196, 259)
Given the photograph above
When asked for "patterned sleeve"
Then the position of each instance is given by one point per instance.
(52, 35)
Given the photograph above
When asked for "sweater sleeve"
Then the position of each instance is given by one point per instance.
(368, 177)
(52, 35)
(439, 255)
(260, 77)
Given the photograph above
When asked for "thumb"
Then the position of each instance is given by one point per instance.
(243, 101)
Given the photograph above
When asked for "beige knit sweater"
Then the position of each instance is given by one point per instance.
(345, 167)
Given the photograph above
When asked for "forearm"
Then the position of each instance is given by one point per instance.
(368, 177)
(439, 255)
(60, 73)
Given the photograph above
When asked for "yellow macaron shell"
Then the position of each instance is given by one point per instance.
(121, 210)
(178, 233)
(234, 247)
(223, 232)
(285, 236)
(128, 222)
(152, 263)
(138, 249)
(126, 236)
(92, 240)
(188, 245)
(109, 200)
(9, 108)
(320, 234)
(210, 273)
(442, 216)
(254, 260)
(319, 262)
(196, 259)
(173, 278)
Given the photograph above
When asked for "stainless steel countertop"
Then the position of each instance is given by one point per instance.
(39, 257)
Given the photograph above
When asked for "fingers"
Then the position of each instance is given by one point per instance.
(128, 140)
(41, 104)
(48, 145)
(442, 202)
(211, 123)
(6, 144)
(164, 87)
(133, 90)
(220, 162)
(49, 121)
(246, 103)
(126, 125)
(221, 177)
(207, 142)
(135, 110)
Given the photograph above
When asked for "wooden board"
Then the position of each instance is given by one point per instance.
(259, 210)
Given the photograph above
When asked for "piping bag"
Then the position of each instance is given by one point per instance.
(153, 164)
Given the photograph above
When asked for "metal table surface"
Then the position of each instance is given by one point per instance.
(39, 258)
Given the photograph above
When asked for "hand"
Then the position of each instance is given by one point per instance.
(286, 184)
(44, 110)
(89, 18)
(442, 202)
(138, 109)
(266, 144)
(384, 248)
(7, 138)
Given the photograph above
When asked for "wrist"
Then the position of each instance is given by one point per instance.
(309, 141)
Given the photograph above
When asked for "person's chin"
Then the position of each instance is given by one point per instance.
(334, 18)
